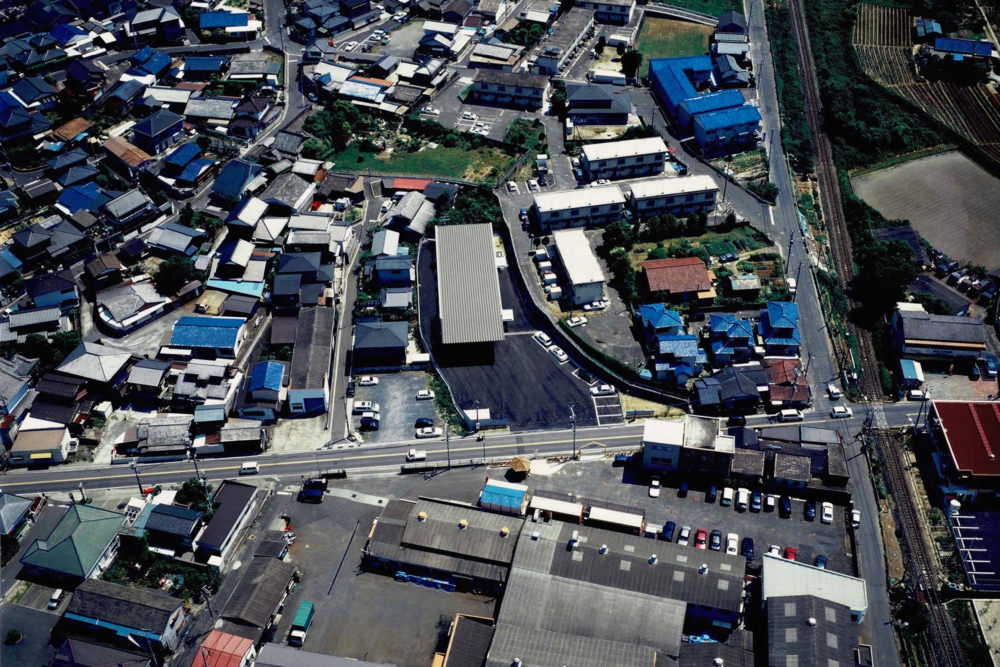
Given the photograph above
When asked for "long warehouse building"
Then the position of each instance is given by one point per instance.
(468, 286)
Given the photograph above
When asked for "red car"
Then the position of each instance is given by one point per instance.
(790, 553)
(700, 539)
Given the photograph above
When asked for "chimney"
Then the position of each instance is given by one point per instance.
(652, 559)
(604, 549)
(811, 622)
(421, 517)
(463, 524)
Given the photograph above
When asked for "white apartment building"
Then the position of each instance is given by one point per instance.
(575, 208)
(633, 158)
(680, 196)
(616, 12)
(556, 50)
(583, 270)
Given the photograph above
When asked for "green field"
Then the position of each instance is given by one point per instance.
(475, 165)
(711, 7)
(666, 38)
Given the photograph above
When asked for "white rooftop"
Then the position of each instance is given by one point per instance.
(659, 187)
(578, 257)
(784, 577)
(660, 432)
(616, 149)
(580, 198)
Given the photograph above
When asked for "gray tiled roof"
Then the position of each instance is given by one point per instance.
(135, 608)
(259, 592)
(12, 510)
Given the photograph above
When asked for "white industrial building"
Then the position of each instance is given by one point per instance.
(681, 196)
(574, 208)
(783, 578)
(632, 158)
(583, 270)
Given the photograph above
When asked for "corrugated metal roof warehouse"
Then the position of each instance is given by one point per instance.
(468, 287)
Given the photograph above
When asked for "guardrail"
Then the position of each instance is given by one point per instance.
(671, 11)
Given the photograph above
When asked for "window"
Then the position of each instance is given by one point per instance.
(640, 158)
(575, 211)
(595, 209)
(620, 161)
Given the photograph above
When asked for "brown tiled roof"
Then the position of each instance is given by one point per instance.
(72, 129)
(677, 276)
(131, 155)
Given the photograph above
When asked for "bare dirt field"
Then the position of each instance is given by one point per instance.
(948, 198)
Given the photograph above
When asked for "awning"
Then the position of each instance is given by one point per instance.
(40, 455)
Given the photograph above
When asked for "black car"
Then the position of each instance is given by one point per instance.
(668, 531)
(423, 422)
(715, 540)
(683, 490)
(711, 495)
(756, 501)
(351, 388)
(810, 510)
(748, 547)
(737, 420)
(785, 507)
(542, 180)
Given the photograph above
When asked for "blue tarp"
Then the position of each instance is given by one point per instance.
(212, 20)
(502, 497)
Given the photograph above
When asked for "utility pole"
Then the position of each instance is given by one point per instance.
(572, 420)
(135, 468)
(204, 656)
(207, 594)
(194, 459)
(447, 441)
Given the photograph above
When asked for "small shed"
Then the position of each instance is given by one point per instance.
(912, 372)
(504, 497)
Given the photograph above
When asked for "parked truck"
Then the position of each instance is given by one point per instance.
(313, 490)
(300, 624)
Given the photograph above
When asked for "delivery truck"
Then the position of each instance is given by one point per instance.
(300, 624)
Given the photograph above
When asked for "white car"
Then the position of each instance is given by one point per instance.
(386, 205)
(558, 353)
(468, 115)
(367, 381)
(916, 395)
(855, 518)
(429, 432)
(841, 412)
(774, 550)
(603, 390)
(425, 395)
(684, 538)
(351, 46)
(576, 321)
(654, 487)
(827, 514)
(602, 181)
(595, 305)
(366, 406)
(512, 188)
(543, 338)
(532, 185)
(732, 540)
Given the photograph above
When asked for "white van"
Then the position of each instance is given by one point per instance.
(790, 416)
(55, 598)
(727, 496)
(361, 407)
(249, 468)
(742, 499)
(832, 390)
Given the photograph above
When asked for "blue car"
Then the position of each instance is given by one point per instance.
(524, 214)
(668, 531)
(748, 548)
(683, 490)
(821, 562)
(992, 365)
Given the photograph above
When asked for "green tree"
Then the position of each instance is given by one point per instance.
(659, 252)
(619, 234)
(173, 274)
(697, 224)
(885, 270)
(314, 148)
(620, 49)
(195, 495)
(559, 105)
(631, 61)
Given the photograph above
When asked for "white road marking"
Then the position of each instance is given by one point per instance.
(770, 212)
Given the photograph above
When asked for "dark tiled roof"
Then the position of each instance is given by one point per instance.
(128, 607)
(173, 520)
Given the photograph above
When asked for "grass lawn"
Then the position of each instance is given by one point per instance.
(740, 239)
(711, 7)
(474, 165)
(666, 38)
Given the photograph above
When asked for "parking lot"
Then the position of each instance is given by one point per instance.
(362, 615)
(628, 486)
(456, 114)
(396, 395)
(521, 381)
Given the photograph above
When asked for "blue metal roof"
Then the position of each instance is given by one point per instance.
(237, 287)
(234, 178)
(267, 375)
(718, 120)
(967, 47)
(671, 75)
(207, 332)
(204, 63)
(909, 370)
(723, 99)
(659, 316)
(184, 154)
(194, 169)
(85, 197)
(680, 347)
(502, 497)
(211, 20)
(782, 314)
(207, 414)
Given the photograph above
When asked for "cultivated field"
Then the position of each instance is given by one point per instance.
(883, 44)
(666, 38)
(956, 214)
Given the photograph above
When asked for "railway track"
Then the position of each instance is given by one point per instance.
(921, 565)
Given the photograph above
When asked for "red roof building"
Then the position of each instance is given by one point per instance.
(221, 649)
(787, 384)
(684, 276)
(417, 184)
(968, 433)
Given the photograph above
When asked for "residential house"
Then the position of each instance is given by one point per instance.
(147, 381)
(53, 289)
(254, 605)
(71, 132)
(15, 381)
(251, 113)
(236, 180)
(232, 506)
(63, 161)
(779, 329)
(122, 96)
(385, 242)
(158, 132)
(39, 447)
(17, 123)
(104, 271)
(221, 649)
(87, 197)
(380, 344)
(130, 159)
(79, 653)
(164, 435)
(308, 386)
(52, 240)
(130, 615)
(210, 337)
(412, 213)
(615, 12)
(124, 308)
(213, 113)
(130, 210)
(728, 130)
(44, 321)
(173, 528)
(400, 298)
(203, 68)
(395, 271)
(159, 25)
(734, 389)
(510, 89)
(731, 23)
(597, 104)
(261, 395)
(60, 399)
(34, 93)
(83, 544)
(13, 512)
(288, 193)
(174, 237)
(85, 76)
(584, 275)
(104, 367)
(495, 54)
(787, 384)
(731, 339)
(203, 383)
(683, 279)
(494, 10)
